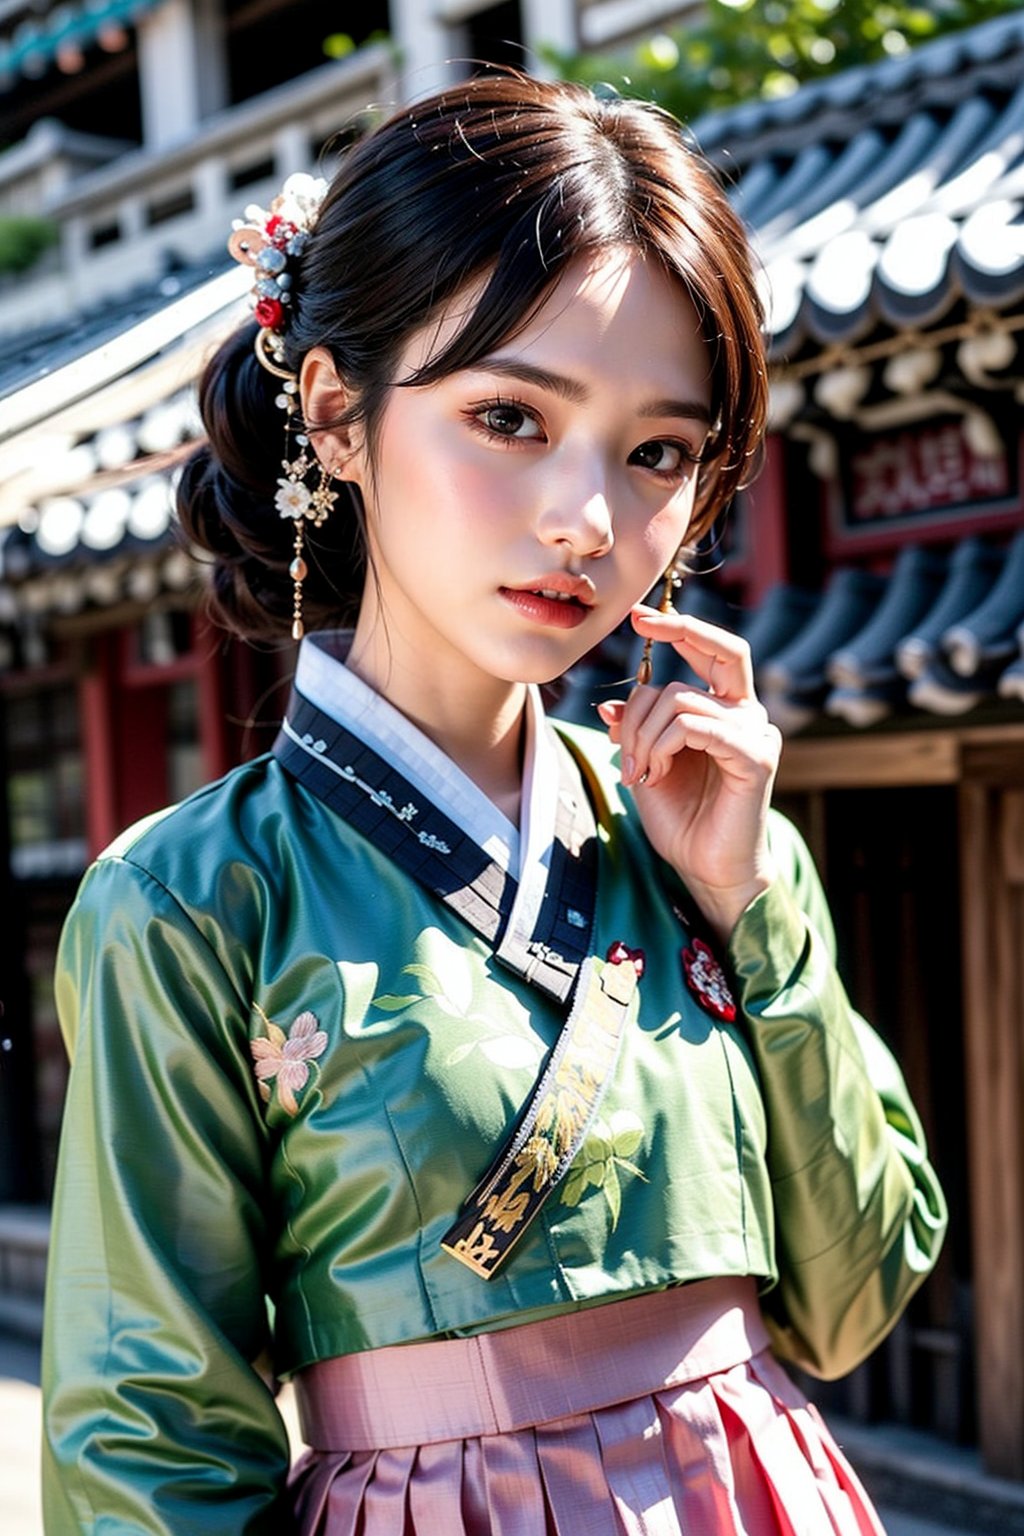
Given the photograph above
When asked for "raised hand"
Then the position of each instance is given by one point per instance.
(701, 763)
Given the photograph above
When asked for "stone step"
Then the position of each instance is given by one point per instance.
(916, 1474)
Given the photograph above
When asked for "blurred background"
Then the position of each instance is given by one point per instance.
(876, 152)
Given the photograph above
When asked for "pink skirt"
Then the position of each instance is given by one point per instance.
(660, 1415)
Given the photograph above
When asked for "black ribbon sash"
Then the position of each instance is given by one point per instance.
(371, 794)
(378, 801)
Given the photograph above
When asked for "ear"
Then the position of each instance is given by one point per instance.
(325, 398)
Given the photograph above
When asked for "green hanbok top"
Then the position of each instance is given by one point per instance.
(291, 1064)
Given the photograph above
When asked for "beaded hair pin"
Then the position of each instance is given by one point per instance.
(271, 241)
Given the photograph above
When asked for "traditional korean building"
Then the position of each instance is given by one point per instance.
(877, 568)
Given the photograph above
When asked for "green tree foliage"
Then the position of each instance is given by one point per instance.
(742, 50)
(23, 239)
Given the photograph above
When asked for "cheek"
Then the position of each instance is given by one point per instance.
(667, 529)
(468, 500)
(450, 490)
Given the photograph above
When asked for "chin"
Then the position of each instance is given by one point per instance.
(543, 674)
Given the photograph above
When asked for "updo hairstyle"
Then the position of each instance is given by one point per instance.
(505, 176)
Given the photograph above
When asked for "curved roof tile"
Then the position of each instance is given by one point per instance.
(942, 634)
(887, 192)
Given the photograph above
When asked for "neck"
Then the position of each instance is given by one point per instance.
(476, 720)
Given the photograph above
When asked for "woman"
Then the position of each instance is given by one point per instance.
(508, 1063)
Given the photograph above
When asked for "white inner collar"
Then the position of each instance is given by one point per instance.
(525, 851)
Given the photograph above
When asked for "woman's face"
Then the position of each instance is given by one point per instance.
(517, 510)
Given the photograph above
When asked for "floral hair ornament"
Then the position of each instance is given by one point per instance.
(271, 241)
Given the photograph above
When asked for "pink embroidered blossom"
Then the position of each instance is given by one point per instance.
(284, 1057)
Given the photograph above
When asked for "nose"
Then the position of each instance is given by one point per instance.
(581, 521)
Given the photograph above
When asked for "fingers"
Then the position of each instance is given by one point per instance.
(727, 723)
(720, 659)
(655, 724)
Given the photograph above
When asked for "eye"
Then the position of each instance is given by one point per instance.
(663, 457)
(505, 419)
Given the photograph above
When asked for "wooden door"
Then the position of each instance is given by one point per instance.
(992, 861)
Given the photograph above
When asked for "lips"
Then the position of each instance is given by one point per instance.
(559, 586)
(548, 606)
(557, 599)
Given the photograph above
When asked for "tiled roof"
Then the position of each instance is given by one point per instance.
(886, 193)
(942, 634)
(39, 353)
(95, 422)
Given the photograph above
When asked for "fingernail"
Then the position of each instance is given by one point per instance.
(628, 769)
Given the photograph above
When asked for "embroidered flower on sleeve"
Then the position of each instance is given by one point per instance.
(285, 1057)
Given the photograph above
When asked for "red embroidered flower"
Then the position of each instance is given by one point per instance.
(618, 952)
(269, 313)
(706, 980)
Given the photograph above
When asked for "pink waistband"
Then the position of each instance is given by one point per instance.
(455, 1389)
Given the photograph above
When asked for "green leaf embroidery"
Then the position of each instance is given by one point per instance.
(625, 1143)
(572, 1189)
(426, 975)
(392, 1004)
(606, 1151)
(595, 1173)
(613, 1194)
(454, 996)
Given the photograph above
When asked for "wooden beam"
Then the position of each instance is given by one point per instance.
(872, 762)
(994, 760)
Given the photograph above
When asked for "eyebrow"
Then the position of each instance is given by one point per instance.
(571, 389)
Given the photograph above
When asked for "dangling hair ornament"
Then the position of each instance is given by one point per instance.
(672, 579)
(271, 241)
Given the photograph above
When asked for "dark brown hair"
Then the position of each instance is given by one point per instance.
(503, 178)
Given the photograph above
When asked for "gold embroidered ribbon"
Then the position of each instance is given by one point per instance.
(554, 1124)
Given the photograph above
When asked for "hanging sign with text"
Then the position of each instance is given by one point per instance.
(898, 484)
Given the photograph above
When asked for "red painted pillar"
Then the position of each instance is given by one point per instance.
(141, 753)
(96, 711)
(766, 522)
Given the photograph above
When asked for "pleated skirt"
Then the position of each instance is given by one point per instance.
(659, 1415)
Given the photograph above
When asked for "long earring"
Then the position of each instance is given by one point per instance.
(669, 582)
(315, 508)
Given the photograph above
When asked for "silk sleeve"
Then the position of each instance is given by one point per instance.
(156, 1420)
(859, 1213)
